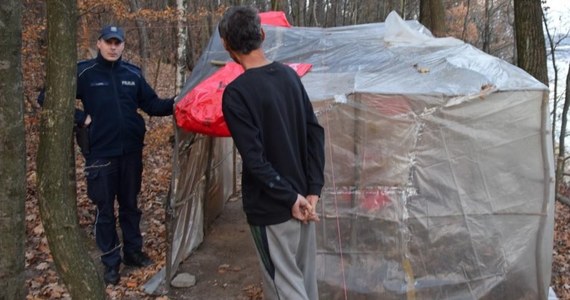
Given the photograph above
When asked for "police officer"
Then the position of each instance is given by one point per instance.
(111, 91)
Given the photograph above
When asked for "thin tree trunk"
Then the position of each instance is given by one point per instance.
(378, 10)
(56, 176)
(561, 142)
(344, 12)
(302, 12)
(466, 20)
(487, 26)
(277, 5)
(555, 68)
(182, 6)
(315, 17)
(143, 35)
(12, 154)
(531, 51)
(294, 13)
(334, 10)
(356, 12)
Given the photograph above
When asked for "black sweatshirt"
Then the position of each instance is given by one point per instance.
(278, 136)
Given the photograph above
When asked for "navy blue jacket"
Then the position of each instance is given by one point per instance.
(111, 93)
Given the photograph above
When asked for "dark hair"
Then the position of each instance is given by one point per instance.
(240, 27)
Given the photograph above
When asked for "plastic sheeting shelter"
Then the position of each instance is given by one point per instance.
(439, 166)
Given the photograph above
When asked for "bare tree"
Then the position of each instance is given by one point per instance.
(55, 160)
(466, 20)
(143, 35)
(278, 5)
(298, 12)
(562, 119)
(561, 161)
(12, 154)
(317, 13)
(182, 6)
(331, 14)
(552, 44)
(487, 26)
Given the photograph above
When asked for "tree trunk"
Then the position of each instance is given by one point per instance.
(554, 96)
(143, 35)
(403, 10)
(466, 20)
(561, 145)
(432, 15)
(487, 26)
(276, 5)
(332, 14)
(437, 18)
(302, 12)
(531, 50)
(12, 155)
(182, 6)
(317, 13)
(56, 174)
(425, 13)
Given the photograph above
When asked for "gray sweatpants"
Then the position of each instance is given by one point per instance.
(287, 253)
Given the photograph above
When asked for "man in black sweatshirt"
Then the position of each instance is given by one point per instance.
(281, 143)
(111, 91)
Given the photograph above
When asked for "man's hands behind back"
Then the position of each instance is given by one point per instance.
(304, 209)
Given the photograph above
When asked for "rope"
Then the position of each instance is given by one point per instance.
(111, 251)
(336, 210)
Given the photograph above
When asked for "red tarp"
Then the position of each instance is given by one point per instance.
(276, 18)
(201, 109)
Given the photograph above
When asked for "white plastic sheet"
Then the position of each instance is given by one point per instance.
(439, 167)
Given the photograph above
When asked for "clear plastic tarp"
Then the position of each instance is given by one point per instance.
(439, 165)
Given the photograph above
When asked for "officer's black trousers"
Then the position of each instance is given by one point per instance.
(109, 179)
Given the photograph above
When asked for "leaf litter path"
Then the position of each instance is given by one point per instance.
(225, 264)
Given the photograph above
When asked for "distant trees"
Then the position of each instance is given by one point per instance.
(12, 154)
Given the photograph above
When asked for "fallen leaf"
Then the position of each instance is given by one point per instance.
(223, 268)
(38, 230)
(42, 266)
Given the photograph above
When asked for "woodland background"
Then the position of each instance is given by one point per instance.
(152, 30)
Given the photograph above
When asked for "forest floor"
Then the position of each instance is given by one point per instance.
(225, 265)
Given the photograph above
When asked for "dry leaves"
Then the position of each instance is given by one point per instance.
(43, 281)
(561, 253)
(254, 292)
